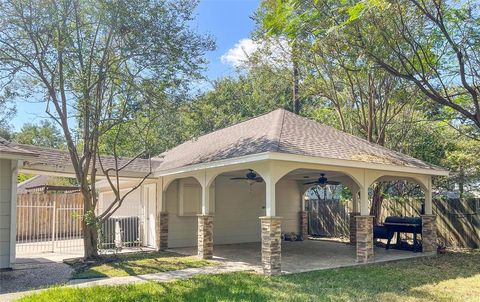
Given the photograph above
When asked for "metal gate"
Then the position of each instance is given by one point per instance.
(49, 222)
(52, 222)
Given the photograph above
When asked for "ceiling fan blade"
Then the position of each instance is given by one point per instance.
(332, 182)
(312, 182)
(238, 178)
(258, 179)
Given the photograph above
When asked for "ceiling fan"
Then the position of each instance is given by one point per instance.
(251, 177)
(323, 181)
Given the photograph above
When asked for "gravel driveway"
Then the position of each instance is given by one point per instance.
(33, 273)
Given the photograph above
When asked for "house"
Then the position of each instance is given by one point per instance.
(11, 157)
(245, 183)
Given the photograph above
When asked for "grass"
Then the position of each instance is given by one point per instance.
(449, 277)
(134, 264)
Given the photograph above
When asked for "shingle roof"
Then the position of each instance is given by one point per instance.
(7, 147)
(61, 159)
(284, 132)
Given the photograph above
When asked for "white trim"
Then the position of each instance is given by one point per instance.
(355, 164)
(11, 156)
(301, 159)
(13, 211)
(214, 164)
(67, 172)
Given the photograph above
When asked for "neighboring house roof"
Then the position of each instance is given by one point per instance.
(10, 148)
(37, 180)
(42, 183)
(284, 132)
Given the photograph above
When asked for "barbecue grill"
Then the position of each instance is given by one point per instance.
(396, 224)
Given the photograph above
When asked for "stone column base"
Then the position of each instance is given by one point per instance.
(353, 227)
(271, 245)
(205, 236)
(429, 233)
(304, 224)
(364, 239)
(162, 231)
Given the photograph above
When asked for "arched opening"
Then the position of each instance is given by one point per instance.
(326, 201)
(328, 209)
(182, 202)
(396, 205)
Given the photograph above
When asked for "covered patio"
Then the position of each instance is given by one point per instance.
(284, 152)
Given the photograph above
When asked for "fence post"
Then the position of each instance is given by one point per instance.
(54, 218)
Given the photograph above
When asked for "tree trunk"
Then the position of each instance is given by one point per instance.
(89, 223)
(90, 241)
(377, 200)
(295, 88)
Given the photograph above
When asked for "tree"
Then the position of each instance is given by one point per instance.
(7, 111)
(234, 99)
(350, 93)
(432, 44)
(44, 134)
(93, 61)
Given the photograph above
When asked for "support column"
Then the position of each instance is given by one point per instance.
(428, 197)
(429, 233)
(205, 236)
(271, 245)
(304, 224)
(364, 201)
(353, 227)
(162, 231)
(364, 239)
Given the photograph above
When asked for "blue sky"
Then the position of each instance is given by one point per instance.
(228, 21)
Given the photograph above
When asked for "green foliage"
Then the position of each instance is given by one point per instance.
(44, 134)
(234, 99)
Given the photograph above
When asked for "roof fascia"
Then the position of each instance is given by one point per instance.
(302, 159)
(17, 156)
(355, 164)
(214, 164)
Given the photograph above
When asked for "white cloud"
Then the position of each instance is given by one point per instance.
(239, 53)
(274, 52)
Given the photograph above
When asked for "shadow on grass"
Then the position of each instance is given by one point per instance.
(135, 264)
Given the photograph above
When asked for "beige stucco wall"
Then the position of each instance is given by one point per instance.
(237, 210)
(131, 206)
(5, 211)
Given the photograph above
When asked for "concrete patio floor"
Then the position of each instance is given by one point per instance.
(301, 256)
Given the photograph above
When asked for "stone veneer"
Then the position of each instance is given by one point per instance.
(271, 245)
(429, 233)
(162, 231)
(364, 239)
(205, 236)
(353, 227)
(304, 224)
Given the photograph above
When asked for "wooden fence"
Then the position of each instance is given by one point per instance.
(458, 222)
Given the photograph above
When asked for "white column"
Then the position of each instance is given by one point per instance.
(205, 199)
(364, 201)
(270, 197)
(13, 211)
(428, 197)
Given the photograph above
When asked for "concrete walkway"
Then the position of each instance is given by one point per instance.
(223, 267)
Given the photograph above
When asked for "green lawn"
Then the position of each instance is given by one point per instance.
(450, 277)
(133, 264)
